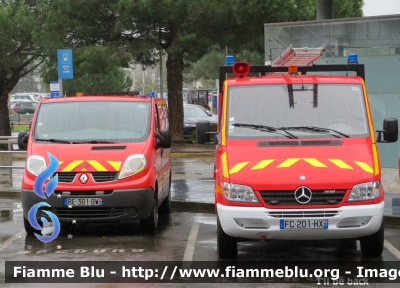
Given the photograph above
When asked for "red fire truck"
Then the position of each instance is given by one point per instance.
(297, 156)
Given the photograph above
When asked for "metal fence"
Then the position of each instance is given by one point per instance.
(10, 141)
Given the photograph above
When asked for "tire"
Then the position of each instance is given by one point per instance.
(226, 245)
(372, 245)
(149, 225)
(166, 204)
(29, 229)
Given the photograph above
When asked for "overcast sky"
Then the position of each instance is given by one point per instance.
(381, 7)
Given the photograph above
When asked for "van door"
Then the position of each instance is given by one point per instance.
(166, 161)
(159, 154)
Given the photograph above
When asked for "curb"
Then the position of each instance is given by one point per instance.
(187, 206)
(191, 154)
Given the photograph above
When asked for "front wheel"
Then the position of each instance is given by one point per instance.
(150, 224)
(226, 245)
(29, 229)
(166, 204)
(372, 245)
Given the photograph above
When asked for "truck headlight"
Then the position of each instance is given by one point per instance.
(133, 165)
(239, 193)
(36, 164)
(365, 191)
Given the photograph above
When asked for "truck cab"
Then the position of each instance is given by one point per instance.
(297, 157)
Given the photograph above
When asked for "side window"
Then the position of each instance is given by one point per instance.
(162, 111)
(156, 124)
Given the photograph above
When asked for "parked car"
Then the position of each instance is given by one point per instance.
(28, 107)
(12, 103)
(192, 114)
(26, 96)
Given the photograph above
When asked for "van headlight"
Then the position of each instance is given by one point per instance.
(365, 191)
(36, 164)
(239, 193)
(133, 165)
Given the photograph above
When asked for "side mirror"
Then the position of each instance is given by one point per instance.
(23, 137)
(390, 131)
(163, 139)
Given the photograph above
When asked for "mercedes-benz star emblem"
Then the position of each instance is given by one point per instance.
(303, 195)
(83, 178)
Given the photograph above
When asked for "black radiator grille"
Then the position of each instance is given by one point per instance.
(319, 197)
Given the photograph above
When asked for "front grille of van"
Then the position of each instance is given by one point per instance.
(104, 176)
(287, 197)
(69, 177)
(304, 214)
(66, 177)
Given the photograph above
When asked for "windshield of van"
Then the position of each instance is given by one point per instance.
(93, 121)
(296, 111)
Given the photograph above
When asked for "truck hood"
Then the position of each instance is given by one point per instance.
(88, 157)
(317, 166)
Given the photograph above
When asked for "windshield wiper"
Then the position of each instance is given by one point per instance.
(317, 129)
(92, 142)
(266, 129)
(54, 140)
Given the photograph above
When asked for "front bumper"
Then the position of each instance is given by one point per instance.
(260, 223)
(120, 205)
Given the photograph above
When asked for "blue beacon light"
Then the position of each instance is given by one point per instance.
(352, 59)
(229, 60)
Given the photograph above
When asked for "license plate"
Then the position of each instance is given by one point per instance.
(83, 201)
(303, 224)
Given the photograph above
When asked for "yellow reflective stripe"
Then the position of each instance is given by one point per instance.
(218, 189)
(238, 167)
(340, 163)
(115, 164)
(364, 166)
(96, 165)
(262, 164)
(314, 162)
(60, 162)
(72, 166)
(288, 162)
(376, 159)
(223, 116)
(224, 165)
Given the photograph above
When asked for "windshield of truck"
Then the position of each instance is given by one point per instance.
(93, 121)
(296, 110)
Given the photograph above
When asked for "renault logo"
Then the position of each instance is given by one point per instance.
(303, 195)
(83, 178)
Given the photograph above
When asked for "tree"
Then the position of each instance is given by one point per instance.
(95, 70)
(184, 29)
(19, 21)
(347, 8)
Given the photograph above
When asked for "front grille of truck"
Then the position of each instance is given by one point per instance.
(68, 177)
(286, 197)
(89, 212)
(304, 214)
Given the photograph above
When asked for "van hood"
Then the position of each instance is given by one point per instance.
(88, 157)
(317, 166)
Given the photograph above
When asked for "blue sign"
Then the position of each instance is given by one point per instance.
(54, 89)
(65, 67)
